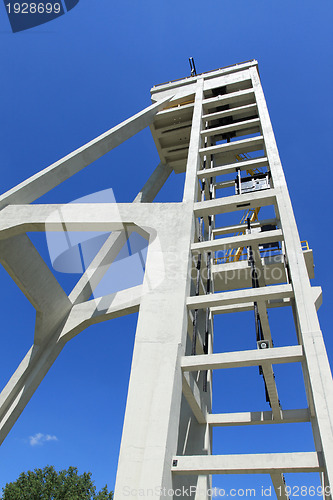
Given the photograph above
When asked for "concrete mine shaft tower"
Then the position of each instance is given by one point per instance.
(215, 127)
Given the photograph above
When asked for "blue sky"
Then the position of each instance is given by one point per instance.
(66, 82)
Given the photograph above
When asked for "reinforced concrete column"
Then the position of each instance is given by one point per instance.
(150, 432)
(317, 367)
(194, 437)
(193, 159)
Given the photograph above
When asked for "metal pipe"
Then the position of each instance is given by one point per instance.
(192, 66)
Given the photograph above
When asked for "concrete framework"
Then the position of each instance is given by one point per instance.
(209, 126)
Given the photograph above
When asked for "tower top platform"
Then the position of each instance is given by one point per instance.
(157, 90)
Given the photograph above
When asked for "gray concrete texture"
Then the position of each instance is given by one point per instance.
(200, 126)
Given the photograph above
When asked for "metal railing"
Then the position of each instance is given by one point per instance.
(264, 252)
(233, 254)
(305, 245)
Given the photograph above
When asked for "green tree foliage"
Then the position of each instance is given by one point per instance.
(48, 484)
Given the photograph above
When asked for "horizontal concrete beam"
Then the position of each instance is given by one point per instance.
(285, 302)
(240, 296)
(15, 219)
(220, 231)
(232, 167)
(248, 464)
(230, 128)
(238, 359)
(235, 202)
(230, 112)
(233, 146)
(221, 100)
(242, 240)
(257, 418)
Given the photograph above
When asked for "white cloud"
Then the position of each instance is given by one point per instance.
(40, 439)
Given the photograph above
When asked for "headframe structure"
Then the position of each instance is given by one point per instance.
(199, 265)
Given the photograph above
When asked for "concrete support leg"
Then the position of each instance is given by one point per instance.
(154, 398)
(25, 381)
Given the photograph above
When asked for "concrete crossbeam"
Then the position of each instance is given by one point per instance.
(235, 202)
(232, 308)
(284, 302)
(16, 219)
(221, 231)
(237, 359)
(238, 241)
(265, 463)
(257, 142)
(237, 275)
(257, 418)
(272, 292)
(246, 124)
(221, 100)
(232, 167)
(248, 108)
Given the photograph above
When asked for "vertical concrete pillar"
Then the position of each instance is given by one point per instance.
(316, 365)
